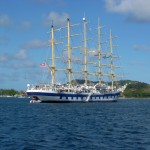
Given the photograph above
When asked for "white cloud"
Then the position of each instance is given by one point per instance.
(4, 57)
(137, 63)
(34, 44)
(26, 25)
(141, 48)
(57, 2)
(9, 76)
(5, 20)
(29, 64)
(17, 65)
(22, 54)
(136, 10)
(56, 18)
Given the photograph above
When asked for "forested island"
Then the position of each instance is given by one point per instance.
(134, 89)
(12, 92)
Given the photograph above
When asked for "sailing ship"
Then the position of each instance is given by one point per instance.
(71, 91)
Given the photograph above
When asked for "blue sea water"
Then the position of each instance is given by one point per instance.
(124, 125)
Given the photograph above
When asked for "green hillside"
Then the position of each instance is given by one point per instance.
(137, 89)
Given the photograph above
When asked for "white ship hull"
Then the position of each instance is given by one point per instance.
(45, 96)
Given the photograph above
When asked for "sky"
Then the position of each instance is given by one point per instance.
(24, 27)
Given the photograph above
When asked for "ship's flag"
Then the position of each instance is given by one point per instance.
(43, 64)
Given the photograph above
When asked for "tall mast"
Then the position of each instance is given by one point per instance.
(85, 52)
(111, 62)
(69, 53)
(53, 56)
(99, 54)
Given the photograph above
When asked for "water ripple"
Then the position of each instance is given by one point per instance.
(117, 126)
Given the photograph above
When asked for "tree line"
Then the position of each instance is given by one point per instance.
(10, 92)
